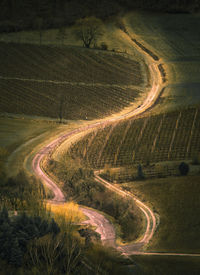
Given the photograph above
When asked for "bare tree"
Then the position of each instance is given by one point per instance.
(88, 30)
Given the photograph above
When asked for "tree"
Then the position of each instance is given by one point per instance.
(140, 174)
(183, 168)
(88, 30)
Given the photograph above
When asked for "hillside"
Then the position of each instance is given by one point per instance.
(88, 84)
(120, 165)
(172, 136)
(175, 39)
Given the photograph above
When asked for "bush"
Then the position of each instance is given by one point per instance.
(184, 168)
(140, 174)
(104, 46)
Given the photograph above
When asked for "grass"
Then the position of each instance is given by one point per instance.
(174, 38)
(70, 211)
(91, 84)
(172, 136)
(165, 265)
(21, 137)
(177, 202)
(16, 131)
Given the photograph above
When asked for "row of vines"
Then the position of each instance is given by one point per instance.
(172, 136)
(78, 101)
(67, 64)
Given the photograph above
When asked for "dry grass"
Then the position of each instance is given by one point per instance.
(69, 211)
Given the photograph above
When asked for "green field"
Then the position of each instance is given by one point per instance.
(90, 84)
(171, 136)
(165, 265)
(177, 202)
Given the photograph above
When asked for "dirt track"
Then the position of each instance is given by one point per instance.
(104, 227)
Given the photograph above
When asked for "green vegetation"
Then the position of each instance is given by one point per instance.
(170, 136)
(90, 84)
(16, 131)
(79, 185)
(34, 240)
(18, 137)
(165, 265)
(176, 200)
(75, 83)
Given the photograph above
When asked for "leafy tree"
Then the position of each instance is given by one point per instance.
(88, 30)
(17, 232)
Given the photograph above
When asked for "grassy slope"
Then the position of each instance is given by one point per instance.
(177, 202)
(92, 83)
(175, 38)
(157, 265)
(21, 138)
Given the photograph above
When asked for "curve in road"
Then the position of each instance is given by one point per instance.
(104, 227)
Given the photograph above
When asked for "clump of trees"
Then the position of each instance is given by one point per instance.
(22, 193)
(80, 185)
(17, 231)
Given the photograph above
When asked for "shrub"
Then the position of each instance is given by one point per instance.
(140, 174)
(184, 168)
(104, 46)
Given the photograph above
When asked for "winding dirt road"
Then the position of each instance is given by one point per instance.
(104, 227)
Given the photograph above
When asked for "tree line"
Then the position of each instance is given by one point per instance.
(16, 15)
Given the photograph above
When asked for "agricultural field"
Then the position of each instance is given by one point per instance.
(172, 136)
(88, 84)
(175, 39)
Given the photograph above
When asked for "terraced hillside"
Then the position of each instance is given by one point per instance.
(35, 80)
(170, 136)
